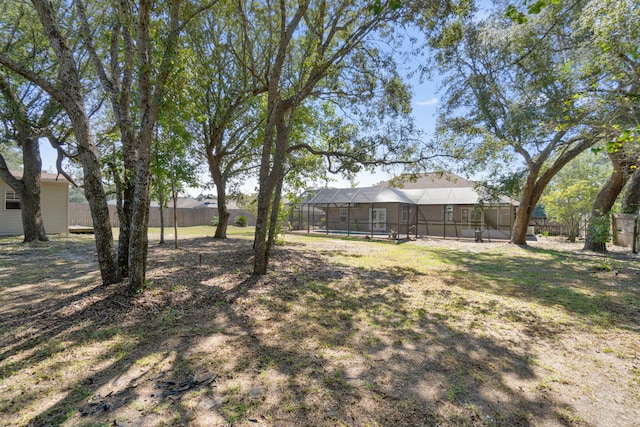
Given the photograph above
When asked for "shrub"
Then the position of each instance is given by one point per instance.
(215, 221)
(600, 228)
(241, 221)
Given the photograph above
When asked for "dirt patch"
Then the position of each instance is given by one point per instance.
(341, 332)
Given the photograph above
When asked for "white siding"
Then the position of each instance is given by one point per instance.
(54, 204)
(54, 201)
(10, 220)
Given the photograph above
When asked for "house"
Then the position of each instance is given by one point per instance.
(54, 202)
(442, 205)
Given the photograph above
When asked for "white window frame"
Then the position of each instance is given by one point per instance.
(378, 219)
(11, 196)
(405, 214)
(343, 215)
(448, 213)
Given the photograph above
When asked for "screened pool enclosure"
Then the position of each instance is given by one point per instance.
(400, 214)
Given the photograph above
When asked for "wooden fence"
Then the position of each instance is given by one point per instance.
(79, 214)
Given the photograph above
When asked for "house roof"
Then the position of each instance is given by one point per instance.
(346, 196)
(427, 180)
(417, 196)
(44, 176)
(452, 196)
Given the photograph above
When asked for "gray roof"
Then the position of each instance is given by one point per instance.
(346, 196)
(452, 196)
(425, 196)
(427, 180)
(44, 176)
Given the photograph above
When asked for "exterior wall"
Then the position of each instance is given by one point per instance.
(359, 221)
(10, 220)
(494, 222)
(54, 204)
(623, 227)
(54, 201)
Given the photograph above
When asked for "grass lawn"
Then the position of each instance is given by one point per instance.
(341, 332)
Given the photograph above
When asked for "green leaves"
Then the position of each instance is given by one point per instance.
(515, 15)
(627, 136)
(534, 8)
(378, 6)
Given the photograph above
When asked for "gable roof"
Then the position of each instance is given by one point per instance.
(426, 196)
(346, 196)
(452, 196)
(428, 180)
(429, 189)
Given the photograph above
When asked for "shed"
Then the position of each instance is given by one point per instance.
(54, 202)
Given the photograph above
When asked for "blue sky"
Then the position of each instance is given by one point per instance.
(424, 104)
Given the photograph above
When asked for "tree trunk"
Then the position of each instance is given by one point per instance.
(30, 196)
(174, 193)
(631, 202)
(28, 187)
(606, 199)
(161, 203)
(223, 211)
(270, 177)
(528, 202)
(275, 215)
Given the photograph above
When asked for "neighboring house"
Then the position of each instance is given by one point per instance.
(54, 202)
(434, 205)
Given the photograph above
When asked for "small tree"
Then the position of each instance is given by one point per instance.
(569, 197)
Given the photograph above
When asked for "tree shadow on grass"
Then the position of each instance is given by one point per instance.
(556, 279)
(313, 343)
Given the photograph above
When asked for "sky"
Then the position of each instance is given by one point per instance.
(424, 104)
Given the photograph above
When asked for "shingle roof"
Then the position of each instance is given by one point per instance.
(428, 180)
(44, 176)
(424, 196)
(345, 196)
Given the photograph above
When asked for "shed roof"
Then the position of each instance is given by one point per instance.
(44, 176)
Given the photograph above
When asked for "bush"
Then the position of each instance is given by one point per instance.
(600, 228)
(241, 221)
(215, 221)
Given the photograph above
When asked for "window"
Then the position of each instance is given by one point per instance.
(11, 200)
(448, 212)
(404, 214)
(343, 215)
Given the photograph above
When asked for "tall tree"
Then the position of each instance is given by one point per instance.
(227, 90)
(20, 128)
(319, 49)
(614, 28)
(27, 113)
(67, 89)
(512, 99)
(143, 40)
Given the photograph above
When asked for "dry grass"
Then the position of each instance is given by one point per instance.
(341, 332)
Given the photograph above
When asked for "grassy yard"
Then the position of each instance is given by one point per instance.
(341, 332)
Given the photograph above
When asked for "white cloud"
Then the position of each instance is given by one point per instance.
(432, 101)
